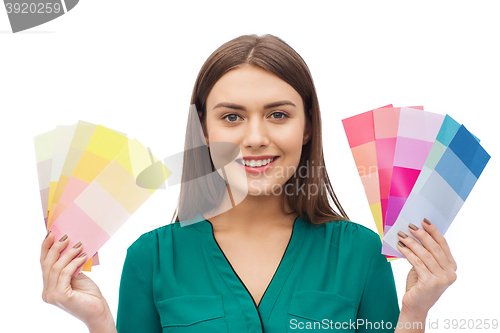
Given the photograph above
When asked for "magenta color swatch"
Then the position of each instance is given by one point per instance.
(403, 180)
(394, 206)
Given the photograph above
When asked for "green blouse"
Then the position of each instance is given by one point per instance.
(332, 276)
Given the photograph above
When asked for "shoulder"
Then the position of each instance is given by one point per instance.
(352, 229)
(349, 236)
(162, 237)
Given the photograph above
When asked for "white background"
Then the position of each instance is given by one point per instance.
(131, 66)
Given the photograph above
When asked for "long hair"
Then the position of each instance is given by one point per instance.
(275, 56)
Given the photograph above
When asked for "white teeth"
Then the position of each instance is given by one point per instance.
(257, 163)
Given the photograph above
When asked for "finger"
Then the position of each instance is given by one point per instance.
(61, 264)
(46, 244)
(433, 231)
(69, 270)
(422, 253)
(422, 270)
(52, 256)
(430, 245)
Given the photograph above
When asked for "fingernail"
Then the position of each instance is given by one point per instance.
(48, 233)
(77, 245)
(412, 226)
(400, 243)
(82, 255)
(63, 238)
(427, 221)
(402, 234)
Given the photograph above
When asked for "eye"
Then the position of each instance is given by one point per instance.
(279, 115)
(232, 117)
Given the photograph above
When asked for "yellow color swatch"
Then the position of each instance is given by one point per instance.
(376, 210)
(114, 143)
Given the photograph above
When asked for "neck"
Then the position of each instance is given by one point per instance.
(253, 214)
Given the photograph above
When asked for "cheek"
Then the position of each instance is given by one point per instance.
(218, 134)
(291, 145)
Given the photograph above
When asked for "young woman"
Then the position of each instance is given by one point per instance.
(257, 245)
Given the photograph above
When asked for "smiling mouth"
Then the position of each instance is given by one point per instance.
(256, 163)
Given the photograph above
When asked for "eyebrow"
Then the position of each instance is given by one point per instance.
(242, 108)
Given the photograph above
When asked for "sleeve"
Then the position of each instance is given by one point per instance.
(379, 307)
(136, 307)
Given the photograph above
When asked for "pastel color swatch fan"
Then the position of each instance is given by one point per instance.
(413, 164)
(88, 178)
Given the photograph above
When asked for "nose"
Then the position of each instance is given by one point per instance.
(256, 134)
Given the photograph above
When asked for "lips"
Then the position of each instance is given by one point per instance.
(257, 161)
(256, 169)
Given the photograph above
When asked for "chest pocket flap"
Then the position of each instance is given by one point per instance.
(193, 313)
(312, 309)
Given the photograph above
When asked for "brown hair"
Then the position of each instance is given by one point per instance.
(274, 55)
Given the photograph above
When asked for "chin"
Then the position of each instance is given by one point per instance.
(256, 188)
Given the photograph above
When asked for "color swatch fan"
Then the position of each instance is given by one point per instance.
(88, 182)
(413, 165)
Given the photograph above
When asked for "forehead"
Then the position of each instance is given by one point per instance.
(252, 86)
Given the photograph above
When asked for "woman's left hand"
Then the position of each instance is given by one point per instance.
(433, 268)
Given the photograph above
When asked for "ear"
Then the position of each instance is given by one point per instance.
(307, 132)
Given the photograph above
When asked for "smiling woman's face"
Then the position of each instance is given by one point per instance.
(264, 116)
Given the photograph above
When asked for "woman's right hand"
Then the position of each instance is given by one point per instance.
(79, 295)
